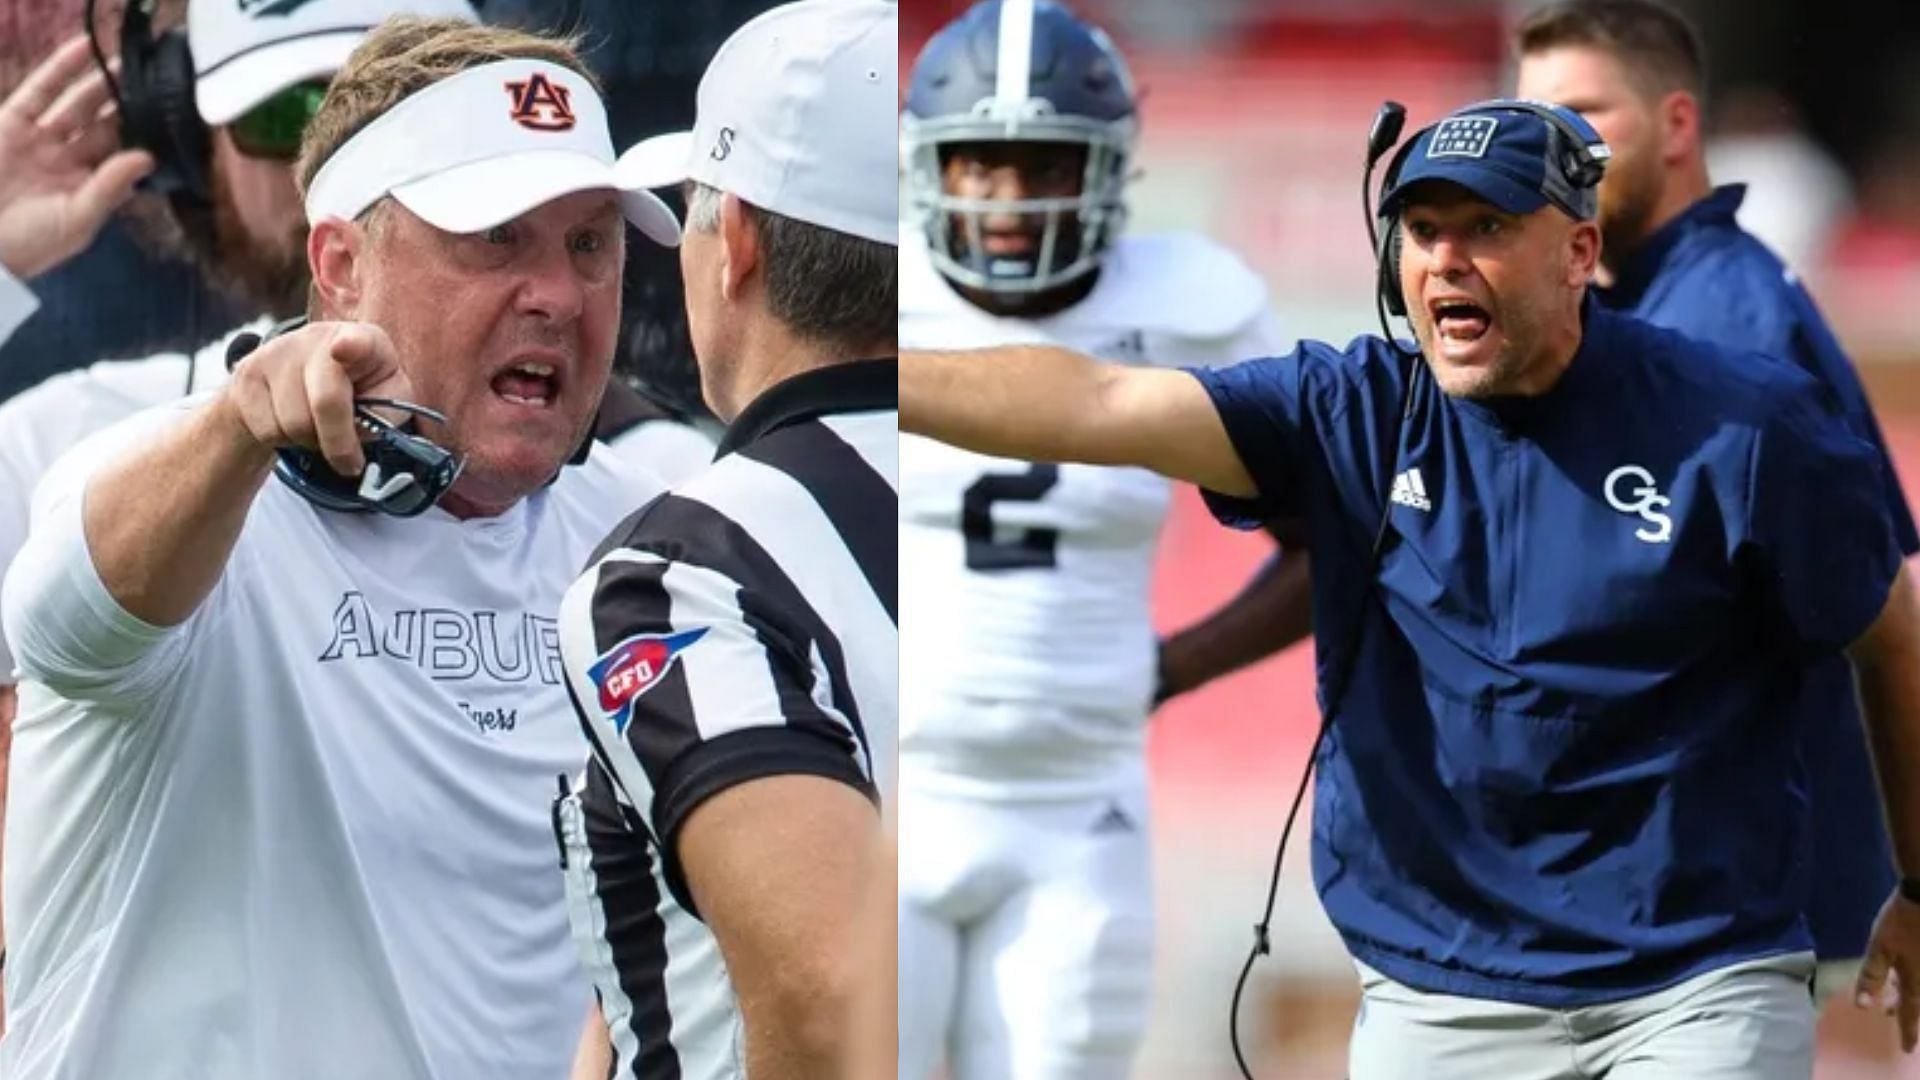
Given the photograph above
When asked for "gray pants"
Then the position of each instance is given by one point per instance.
(1749, 1021)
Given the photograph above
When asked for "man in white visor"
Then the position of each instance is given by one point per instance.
(293, 701)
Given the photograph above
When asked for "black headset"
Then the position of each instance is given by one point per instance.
(1579, 158)
(157, 111)
(1576, 152)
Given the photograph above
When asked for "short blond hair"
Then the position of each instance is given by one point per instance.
(405, 55)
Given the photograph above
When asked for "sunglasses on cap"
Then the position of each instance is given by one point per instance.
(272, 129)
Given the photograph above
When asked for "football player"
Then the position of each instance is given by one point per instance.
(1028, 659)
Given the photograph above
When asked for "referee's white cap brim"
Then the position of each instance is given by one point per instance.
(662, 161)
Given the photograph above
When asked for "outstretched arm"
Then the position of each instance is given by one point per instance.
(1037, 403)
(160, 523)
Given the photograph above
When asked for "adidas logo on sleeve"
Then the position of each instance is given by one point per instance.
(1410, 490)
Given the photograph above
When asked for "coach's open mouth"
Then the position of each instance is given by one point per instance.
(530, 383)
(1460, 320)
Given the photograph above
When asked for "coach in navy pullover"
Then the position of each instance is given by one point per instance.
(1562, 771)
(1702, 275)
(1675, 256)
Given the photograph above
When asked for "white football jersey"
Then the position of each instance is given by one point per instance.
(1027, 651)
(306, 833)
(39, 424)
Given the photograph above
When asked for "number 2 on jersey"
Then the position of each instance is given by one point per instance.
(1026, 549)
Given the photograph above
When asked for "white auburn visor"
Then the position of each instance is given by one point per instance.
(483, 147)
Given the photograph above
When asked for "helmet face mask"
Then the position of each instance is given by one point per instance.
(1077, 96)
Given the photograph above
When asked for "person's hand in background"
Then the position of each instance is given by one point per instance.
(61, 167)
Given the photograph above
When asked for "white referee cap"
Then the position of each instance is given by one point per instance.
(797, 114)
(481, 148)
(246, 51)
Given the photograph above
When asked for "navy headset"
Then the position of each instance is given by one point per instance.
(1577, 157)
(1577, 160)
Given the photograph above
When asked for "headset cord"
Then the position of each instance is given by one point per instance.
(100, 57)
(1337, 687)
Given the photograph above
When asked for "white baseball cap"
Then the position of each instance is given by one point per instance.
(797, 114)
(481, 148)
(246, 51)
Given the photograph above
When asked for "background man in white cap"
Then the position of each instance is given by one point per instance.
(218, 104)
(734, 651)
(285, 769)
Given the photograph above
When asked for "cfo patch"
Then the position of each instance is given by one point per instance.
(634, 667)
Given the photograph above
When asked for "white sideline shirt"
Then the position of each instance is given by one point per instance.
(305, 833)
(39, 424)
(674, 451)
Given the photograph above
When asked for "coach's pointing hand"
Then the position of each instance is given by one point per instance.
(61, 167)
(1895, 948)
(298, 389)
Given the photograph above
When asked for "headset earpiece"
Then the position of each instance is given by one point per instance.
(157, 111)
(1396, 300)
(1388, 257)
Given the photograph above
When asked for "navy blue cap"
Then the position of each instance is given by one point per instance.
(1511, 155)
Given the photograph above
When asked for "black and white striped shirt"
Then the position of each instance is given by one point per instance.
(741, 626)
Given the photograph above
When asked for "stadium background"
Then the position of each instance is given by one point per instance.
(1255, 120)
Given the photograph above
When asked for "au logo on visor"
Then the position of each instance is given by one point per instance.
(1463, 136)
(541, 104)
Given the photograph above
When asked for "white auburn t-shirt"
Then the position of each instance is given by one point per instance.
(674, 451)
(306, 833)
(39, 424)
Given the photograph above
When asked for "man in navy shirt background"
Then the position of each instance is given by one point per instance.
(1561, 821)
(1674, 256)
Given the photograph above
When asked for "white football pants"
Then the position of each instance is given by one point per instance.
(1026, 937)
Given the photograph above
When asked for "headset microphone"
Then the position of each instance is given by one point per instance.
(1387, 124)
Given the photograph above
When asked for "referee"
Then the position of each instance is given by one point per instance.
(732, 649)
